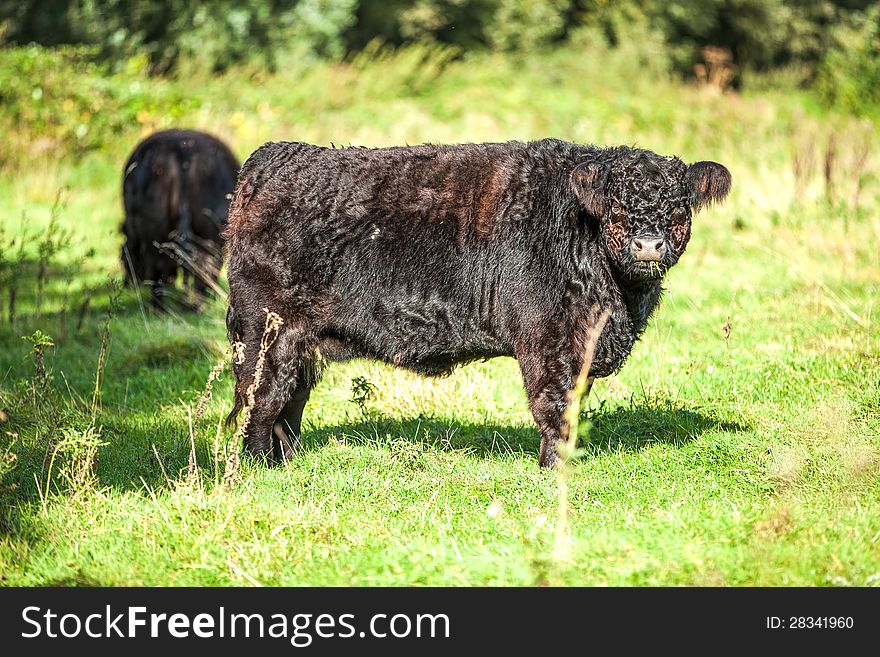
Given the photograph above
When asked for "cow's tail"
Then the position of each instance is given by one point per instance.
(185, 232)
(234, 330)
(132, 229)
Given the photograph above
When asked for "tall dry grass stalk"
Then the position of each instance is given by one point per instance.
(828, 168)
(129, 264)
(726, 330)
(206, 396)
(567, 448)
(116, 290)
(192, 467)
(804, 166)
(207, 274)
(860, 168)
(10, 308)
(272, 328)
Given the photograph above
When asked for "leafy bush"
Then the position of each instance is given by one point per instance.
(761, 34)
(60, 101)
(849, 77)
(177, 34)
(527, 24)
(458, 22)
(166, 32)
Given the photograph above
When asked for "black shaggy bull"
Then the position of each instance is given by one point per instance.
(176, 189)
(431, 256)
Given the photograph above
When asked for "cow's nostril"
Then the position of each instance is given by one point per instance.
(659, 245)
(639, 246)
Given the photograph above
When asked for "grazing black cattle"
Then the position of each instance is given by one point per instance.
(176, 189)
(431, 256)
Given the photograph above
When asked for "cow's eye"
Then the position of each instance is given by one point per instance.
(679, 216)
(617, 213)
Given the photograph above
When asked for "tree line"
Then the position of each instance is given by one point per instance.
(832, 43)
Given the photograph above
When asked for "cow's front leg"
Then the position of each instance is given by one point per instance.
(549, 379)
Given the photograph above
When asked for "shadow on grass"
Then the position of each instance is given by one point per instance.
(641, 425)
(128, 461)
(69, 312)
(43, 295)
(629, 428)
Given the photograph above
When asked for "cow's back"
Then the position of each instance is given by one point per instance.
(176, 188)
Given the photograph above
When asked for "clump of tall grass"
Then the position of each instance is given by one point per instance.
(74, 460)
(38, 274)
(69, 433)
(70, 461)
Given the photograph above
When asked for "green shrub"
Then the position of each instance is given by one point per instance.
(180, 36)
(761, 34)
(61, 100)
(849, 77)
(526, 24)
(167, 32)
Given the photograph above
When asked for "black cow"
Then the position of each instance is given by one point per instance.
(431, 256)
(176, 189)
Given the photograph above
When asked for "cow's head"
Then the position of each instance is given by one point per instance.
(644, 203)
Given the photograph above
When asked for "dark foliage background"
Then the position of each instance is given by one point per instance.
(835, 41)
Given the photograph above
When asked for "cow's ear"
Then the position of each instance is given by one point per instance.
(588, 183)
(708, 182)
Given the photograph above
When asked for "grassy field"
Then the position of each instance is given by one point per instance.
(739, 445)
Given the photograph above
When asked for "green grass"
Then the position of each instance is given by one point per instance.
(742, 458)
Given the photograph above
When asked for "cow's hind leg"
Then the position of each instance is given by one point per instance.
(288, 427)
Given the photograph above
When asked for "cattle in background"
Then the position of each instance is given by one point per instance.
(176, 189)
(431, 256)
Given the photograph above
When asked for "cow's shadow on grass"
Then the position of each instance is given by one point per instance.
(629, 428)
(157, 455)
(132, 464)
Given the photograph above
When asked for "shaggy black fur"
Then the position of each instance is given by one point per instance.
(176, 187)
(431, 256)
